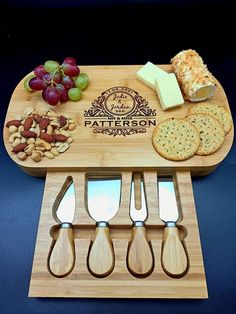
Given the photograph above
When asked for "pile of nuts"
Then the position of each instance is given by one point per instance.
(40, 134)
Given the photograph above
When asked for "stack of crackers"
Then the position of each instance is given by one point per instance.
(201, 132)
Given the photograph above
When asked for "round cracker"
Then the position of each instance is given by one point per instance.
(176, 139)
(210, 130)
(216, 111)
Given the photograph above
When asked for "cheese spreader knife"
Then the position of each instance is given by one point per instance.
(103, 200)
(140, 261)
(174, 258)
(61, 259)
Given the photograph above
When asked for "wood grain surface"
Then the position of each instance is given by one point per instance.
(91, 150)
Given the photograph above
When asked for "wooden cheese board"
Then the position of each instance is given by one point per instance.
(115, 120)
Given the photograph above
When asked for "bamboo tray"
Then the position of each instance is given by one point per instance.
(122, 146)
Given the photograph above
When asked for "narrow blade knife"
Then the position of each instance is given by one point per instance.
(61, 259)
(174, 258)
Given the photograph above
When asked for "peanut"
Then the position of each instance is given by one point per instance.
(36, 156)
(49, 155)
(54, 151)
(21, 155)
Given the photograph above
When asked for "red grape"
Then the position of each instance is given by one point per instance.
(52, 95)
(69, 69)
(37, 84)
(47, 77)
(57, 78)
(70, 60)
(67, 82)
(63, 92)
(39, 71)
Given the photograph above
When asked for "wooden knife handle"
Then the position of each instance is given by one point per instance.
(101, 259)
(174, 258)
(140, 261)
(61, 260)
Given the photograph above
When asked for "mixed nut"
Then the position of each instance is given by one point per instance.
(40, 134)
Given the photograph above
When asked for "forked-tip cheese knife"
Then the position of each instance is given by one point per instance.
(103, 200)
(61, 259)
(140, 261)
(174, 258)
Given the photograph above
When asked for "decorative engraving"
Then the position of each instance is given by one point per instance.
(120, 111)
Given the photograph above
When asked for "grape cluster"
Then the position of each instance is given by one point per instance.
(58, 82)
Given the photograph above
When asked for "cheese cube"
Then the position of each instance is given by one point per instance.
(168, 91)
(148, 73)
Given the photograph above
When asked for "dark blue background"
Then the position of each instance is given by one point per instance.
(125, 32)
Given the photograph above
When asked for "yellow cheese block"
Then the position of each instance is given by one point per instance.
(148, 73)
(168, 91)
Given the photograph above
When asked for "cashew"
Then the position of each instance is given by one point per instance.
(63, 132)
(16, 142)
(14, 136)
(55, 124)
(23, 140)
(20, 128)
(32, 129)
(29, 149)
(12, 129)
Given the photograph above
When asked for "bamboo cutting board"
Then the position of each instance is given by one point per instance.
(115, 120)
(97, 142)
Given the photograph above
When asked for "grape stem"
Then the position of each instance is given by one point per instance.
(58, 69)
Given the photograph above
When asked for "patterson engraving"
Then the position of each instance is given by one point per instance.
(120, 111)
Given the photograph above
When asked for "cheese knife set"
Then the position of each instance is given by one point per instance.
(103, 199)
(118, 219)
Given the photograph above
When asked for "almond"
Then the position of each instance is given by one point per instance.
(62, 121)
(28, 123)
(37, 117)
(44, 122)
(59, 137)
(15, 122)
(47, 137)
(28, 134)
(19, 148)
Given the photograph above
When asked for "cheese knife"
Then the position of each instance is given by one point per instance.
(174, 258)
(140, 261)
(103, 200)
(61, 259)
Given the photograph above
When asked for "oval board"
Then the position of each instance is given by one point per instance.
(115, 121)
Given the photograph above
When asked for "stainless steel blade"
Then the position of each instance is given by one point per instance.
(64, 205)
(168, 208)
(103, 197)
(138, 214)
